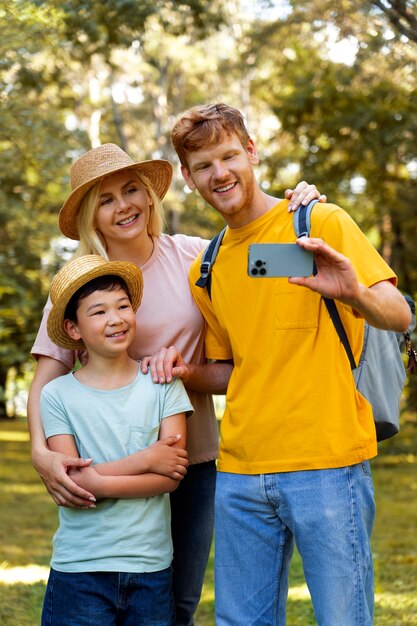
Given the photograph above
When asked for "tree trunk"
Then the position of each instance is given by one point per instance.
(3, 381)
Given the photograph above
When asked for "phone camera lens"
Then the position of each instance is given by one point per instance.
(258, 263)
(254, 271)
(262, 271)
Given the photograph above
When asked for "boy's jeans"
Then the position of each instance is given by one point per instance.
(109, 598)
(330, 515)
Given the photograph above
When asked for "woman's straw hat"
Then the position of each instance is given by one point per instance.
(74, 275)
(99, 162)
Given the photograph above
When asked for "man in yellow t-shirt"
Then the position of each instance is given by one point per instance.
(296, 436)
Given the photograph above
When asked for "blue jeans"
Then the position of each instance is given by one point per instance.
(329, 514)
(109, 599)
(192, 511)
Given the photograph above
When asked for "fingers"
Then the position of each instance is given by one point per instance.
(71, 494)
(170, 440)
(161, 364)
(302, 195)
(64, 497)
(75, 462)
(180, 371)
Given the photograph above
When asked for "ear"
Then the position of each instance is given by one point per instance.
(72, 330)
(252, 152)
(187, 177)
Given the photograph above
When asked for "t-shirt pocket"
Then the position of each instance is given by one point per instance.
(141, 437)
(296, 307)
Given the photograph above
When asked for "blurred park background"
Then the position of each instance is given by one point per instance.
(329, 91)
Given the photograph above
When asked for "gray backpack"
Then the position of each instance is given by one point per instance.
(380, 374)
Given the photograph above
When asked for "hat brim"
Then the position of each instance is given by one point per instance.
(157, 171)
(55, 325)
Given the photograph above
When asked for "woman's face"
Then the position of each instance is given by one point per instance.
(123, 208)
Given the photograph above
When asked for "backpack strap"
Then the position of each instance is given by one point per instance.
(208, 260)
(340, 329)
(302, 227)
(302, 219)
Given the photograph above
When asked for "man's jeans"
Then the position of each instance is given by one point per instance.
(109, 598)
(330, 515)
(192, 514)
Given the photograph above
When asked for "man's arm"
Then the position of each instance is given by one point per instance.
(207, 378)
(144, 485)
(52, 466)
(381, 305)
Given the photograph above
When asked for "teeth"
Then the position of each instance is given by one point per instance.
(127, 220)
(222, 189)
(117, 334)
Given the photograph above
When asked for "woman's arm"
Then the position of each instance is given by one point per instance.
(124, 486)
(53, 466)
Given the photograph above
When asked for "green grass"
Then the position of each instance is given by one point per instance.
(28, 518)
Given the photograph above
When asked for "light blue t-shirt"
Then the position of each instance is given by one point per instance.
(123, 535)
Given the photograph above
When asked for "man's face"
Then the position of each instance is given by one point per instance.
(223, 174)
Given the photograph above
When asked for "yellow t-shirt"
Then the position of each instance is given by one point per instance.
(292, 403)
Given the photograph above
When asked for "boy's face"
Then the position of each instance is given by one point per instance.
(105, 322)
(223, 174)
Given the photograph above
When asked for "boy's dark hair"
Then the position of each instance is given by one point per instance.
(206, 125)
(101, 283)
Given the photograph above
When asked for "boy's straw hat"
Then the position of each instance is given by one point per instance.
(99, 162)
(74, 275)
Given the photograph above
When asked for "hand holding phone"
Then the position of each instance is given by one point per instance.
(271, 260)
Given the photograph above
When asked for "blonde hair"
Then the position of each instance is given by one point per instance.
(91, 240)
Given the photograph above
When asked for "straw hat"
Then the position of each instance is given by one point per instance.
(74, 275)
(99, 162)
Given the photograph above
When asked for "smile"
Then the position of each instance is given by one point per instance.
(119, 334)
(225, 188)
(128, 220)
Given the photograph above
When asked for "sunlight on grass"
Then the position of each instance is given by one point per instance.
(402, 601)
(9, 435)
(28, 575)
(28, 522)
(24, 489)
(299, 592)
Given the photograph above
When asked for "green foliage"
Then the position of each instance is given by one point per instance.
(77, 73)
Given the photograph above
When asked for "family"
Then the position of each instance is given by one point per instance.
(129, 353)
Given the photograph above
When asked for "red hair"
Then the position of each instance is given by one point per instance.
(206, 125)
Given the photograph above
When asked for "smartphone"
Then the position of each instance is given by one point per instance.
(270, 260)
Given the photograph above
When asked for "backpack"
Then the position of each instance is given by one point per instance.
(380, 374)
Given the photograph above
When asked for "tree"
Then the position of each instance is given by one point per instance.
(55, 55)
(33, 141)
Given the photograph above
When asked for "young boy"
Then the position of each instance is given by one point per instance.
(111, 563)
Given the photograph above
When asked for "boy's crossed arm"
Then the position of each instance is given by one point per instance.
(155, 470)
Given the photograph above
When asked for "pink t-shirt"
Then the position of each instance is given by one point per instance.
(167, 316)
